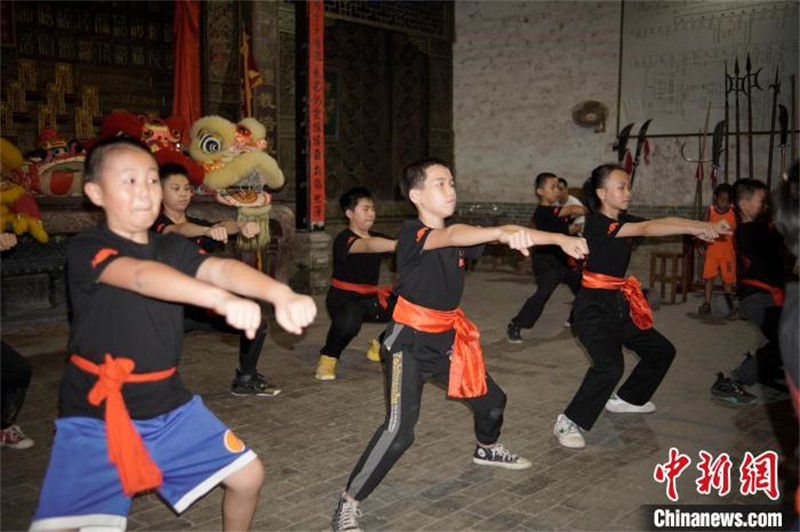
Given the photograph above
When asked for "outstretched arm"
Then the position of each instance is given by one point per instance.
(193, 230)
(515, 236)
(572, 211)
(675, 226)
(373, 244)
(462, 235)
(160, 281)
(292, 311)
(232, 227)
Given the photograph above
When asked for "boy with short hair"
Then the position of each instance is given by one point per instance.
(429, 336)
(760, 287)
(126, 423)
(720, 255)
(354, 295)
(550, 264)
(211, 238)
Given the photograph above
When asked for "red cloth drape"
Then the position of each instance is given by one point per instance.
(467, 369)
(631, 288)
(126, 450)
(383, 292)
(186, 95)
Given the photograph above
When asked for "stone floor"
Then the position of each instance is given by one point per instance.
(311, 436)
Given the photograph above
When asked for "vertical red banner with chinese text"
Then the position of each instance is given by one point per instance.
(316, 114)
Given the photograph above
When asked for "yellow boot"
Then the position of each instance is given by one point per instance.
(374, 351)
(326, 368)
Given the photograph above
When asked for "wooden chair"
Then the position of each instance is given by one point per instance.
(674, 277)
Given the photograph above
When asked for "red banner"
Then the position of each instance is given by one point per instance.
(316, 114)
(187, 101)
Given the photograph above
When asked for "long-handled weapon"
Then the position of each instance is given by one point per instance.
(783, 118)
(736, 81)
(699, 173)
(641, 141)
(621, 146)
(728, 90)
(752, 83)
(717, 147)
(698, 195)
(794, 120)
(776, 89)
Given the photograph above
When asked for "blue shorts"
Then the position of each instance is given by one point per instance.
(194, 450)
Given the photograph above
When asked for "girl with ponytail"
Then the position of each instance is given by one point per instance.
(610, 310)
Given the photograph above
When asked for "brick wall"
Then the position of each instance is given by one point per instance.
(518, 69)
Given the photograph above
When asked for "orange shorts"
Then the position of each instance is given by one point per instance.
(726, 266)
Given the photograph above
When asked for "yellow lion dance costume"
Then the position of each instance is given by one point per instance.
(237, 170)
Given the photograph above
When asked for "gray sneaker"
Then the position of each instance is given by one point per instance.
(345, 517)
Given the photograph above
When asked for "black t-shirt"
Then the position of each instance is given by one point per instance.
(122, 323)
(358, 268)
(759, 255)
(546, 219)
(608, 254)
(209, 245)
(435, 278)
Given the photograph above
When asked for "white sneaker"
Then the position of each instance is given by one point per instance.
(568, 433)
(619, 406)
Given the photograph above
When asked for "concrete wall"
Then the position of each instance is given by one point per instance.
(518, 70)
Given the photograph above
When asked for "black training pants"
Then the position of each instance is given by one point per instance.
(604, 326)
(410, 357)
(15, 371)
(200, 319)
(347, 313)
(550, 272)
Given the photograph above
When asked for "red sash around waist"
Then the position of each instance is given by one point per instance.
(778, 295)
(467, 370)
(137, 471)
(383, 292)
(631, 288)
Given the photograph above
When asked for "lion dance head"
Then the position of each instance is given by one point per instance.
(238, 170)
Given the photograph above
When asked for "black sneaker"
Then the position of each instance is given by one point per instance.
(499, 456)
(727, 389)
(345, 517)
(512, 333)
(253, 385)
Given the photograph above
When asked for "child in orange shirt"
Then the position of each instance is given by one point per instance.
(720, 254)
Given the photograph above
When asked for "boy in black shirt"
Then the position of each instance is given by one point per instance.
(354, 296)
(429, 336)
(211, 238)
(126, 423)
(550, 263)
(760, 287)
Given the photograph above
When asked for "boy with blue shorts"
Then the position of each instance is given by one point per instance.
(126, 424)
